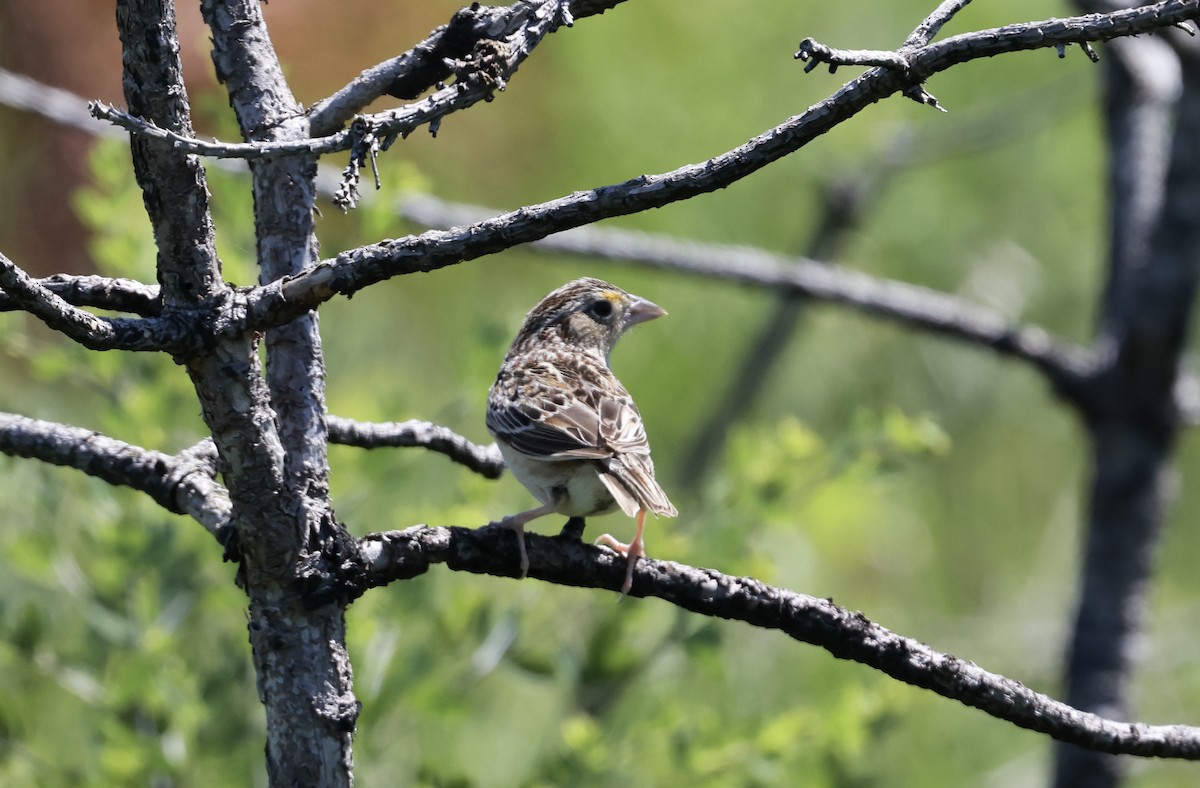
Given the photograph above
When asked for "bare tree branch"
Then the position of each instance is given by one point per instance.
(97, 333)
(479, 76)
(299, 654)
(429, 62)
(174, 188)
(488, 72)
(484, 460)
(186, 143)
(411, 73)
(61, 106)
(284, 224)
(119, 295)
(660, 252)
(922, 63)
(843, 633)
(1066, 365)
(183, 484)
(932, 24)
(358, 268)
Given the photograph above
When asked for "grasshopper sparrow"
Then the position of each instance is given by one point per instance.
(568, 429)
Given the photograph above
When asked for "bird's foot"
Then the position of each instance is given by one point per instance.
(632, 552)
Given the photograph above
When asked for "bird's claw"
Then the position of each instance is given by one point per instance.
(632, 552)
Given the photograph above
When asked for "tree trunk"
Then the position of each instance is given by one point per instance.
(269, 429)
(1152, 111)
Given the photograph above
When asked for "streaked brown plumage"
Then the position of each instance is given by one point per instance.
(568, 429)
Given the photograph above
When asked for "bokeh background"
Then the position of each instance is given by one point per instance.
(929, 484)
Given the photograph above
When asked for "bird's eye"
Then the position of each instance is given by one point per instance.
(601, 309)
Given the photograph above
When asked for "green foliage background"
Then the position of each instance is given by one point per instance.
(930, 485)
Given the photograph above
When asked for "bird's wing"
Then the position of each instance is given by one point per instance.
(599, 423)
(630, 479)
(545, 429)
(630, 466)
(555, 420)
(621, 427)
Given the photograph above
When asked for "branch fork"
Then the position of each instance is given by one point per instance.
(511, 36)
(901, 62)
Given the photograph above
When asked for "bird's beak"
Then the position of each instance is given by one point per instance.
(642, 310)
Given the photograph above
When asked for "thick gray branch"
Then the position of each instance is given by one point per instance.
(843, 633)
(285, 519)
(484, 460)
(284, 209)
(174, 188)
(183, 484)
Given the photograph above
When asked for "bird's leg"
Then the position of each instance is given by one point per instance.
(636, 550)
(516, 524)
(632, 551)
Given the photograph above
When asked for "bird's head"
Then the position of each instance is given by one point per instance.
(590, 314)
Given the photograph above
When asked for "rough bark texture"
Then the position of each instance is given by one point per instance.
(1152, 114)
(304, 671)
(845, 634)
(304, 674)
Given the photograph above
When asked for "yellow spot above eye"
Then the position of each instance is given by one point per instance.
(611, 295)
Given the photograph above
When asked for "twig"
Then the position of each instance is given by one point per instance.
(932, 24)
(250, 151)
(814, 53)
(484, 460)
(923, 61)
(484, 71)
(478, 74)
(843, 633)
(911, 64)
(119, 295)
(97, 333)
(183, 484)
(429, 62)
(409, 74)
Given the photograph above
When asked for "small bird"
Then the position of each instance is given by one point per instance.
(567, 428)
